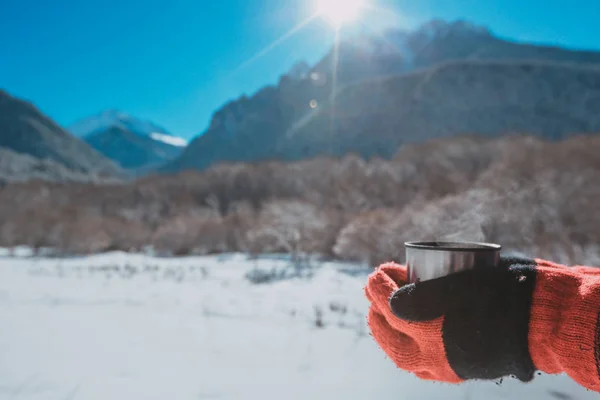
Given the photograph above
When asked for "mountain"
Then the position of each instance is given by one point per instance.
(18, 167)
(110, 118)
(454, 77)
(376, 116)
(131, 150)
(129, 141)
(24, 130)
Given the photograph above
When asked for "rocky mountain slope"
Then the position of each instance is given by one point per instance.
(18, 167)
(460, 78)
(25, 130)
(376, 116)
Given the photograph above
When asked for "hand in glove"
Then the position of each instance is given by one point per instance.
(488, 323)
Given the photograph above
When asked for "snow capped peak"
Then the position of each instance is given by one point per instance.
(121, 120)
(168, 139)
(114, 118)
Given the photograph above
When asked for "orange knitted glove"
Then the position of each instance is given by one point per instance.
(487, 323)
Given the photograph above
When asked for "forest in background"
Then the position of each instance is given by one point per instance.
(532, 196)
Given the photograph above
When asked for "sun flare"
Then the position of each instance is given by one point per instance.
(339, 12)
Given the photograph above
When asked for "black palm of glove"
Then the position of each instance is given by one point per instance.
(485, 314)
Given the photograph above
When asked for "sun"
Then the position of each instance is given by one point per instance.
(339, 12)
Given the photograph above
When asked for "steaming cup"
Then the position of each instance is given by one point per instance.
(430, 260)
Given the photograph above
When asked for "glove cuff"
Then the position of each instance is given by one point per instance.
(564, 327)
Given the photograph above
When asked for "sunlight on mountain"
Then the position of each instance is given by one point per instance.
(338, 12)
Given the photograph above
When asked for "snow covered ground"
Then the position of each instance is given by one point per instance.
(121, 326)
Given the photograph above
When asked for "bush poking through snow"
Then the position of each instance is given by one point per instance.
(319, 317)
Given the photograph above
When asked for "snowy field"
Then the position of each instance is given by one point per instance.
(121, 326)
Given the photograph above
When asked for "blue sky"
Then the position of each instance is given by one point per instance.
(175, 62)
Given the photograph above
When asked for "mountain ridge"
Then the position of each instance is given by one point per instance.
(253, 128)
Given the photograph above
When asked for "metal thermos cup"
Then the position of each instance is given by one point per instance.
(430, 260)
